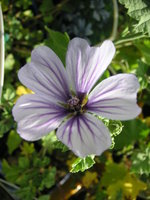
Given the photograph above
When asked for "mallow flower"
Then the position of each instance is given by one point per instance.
(66, 99)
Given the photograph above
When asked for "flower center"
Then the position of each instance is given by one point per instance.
(74, 104)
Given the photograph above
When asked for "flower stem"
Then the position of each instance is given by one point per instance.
(115, 21)
(129, 40)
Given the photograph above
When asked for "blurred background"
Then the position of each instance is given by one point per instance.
(45, 169)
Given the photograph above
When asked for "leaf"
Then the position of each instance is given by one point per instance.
(27, 149)
(27, 192)
(82, 164)
(132, 186)
(113, 173)
(13, 141)
(140, 11)
(89, 178)
(133, 130)
(128, 188)
(48, 179)
(58, 42)
(60, 145)
(23, 163)
(44, 197)
(141, 161)
(11, 172)
(51, 142)
(46, 9)
(10, 93)
(9, 62)
(115, 128)
(120, 184)
(5, 125)
(142, 74)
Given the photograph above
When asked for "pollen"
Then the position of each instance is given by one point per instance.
(74, 104)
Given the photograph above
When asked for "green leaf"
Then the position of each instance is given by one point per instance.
(51, 142)
(141, 161)
(113, 173)
(27, 193)
(13, 141)
(44, 197)
(144, 48)
(48, 179)
(115, 128)
(58, 42)
(9, 62)
(27, 149)
(142, 74)
(140, 11)
(5, 125)
(23, 163)
(11, 172)
(46, 9)
(60, 145)
(133, 130)
(10, 93)
(82, 164)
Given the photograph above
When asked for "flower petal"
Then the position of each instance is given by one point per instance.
(115, 98)
(45, 75)
(84, 135)
(86, 64)
(36, 117)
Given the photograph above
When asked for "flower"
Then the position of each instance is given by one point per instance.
(65, 99)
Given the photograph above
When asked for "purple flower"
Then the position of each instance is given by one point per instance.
(65, 100)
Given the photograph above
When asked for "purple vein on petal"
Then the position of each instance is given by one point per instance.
(97, 128)
(84, 121)
(96, 109)
(70, 131)
(62, 81)
(77, 71)
(79, 131)
(83, 78)
(48, 122)
(105, 92)
(90, 102)
(54, 93)
(54, 85)
(93, 76)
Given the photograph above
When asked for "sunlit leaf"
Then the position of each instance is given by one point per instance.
(82, 164)
(120, 184)
(89, 178)
(141, 161)
(140, 11)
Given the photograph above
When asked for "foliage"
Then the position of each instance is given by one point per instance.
(141, 161)
(89, 178)
(129, 136)
(82, 164)
(31, 173)
(139, 10)
(119, 183)
(36, 170)
(58, 42)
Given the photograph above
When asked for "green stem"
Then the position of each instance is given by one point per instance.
(128, 41)
(115, 21)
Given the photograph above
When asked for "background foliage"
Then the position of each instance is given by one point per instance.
(45, 169)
